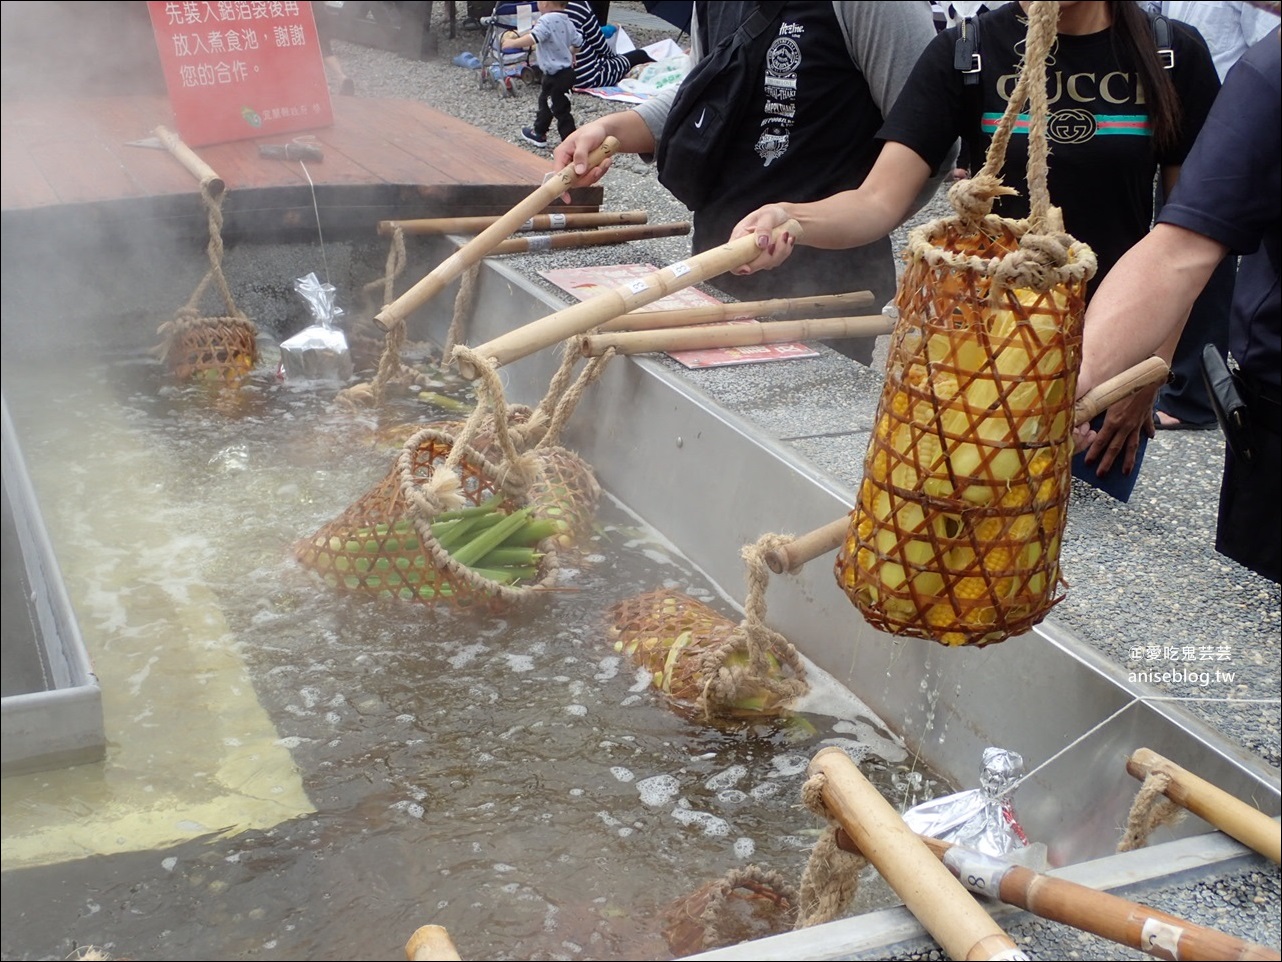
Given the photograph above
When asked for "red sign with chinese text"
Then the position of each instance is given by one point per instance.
(237, 70)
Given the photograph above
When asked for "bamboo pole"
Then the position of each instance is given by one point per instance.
(823, 305)
(735, 334)
(474, 225)
(582, 317)
(961, 926)
(475, 249)
(807, 547)
(817, 543)
(431, 943)
(1100, 913)
(1229, 814)
(590, 238)
(187, 157)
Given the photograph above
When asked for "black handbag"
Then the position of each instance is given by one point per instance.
(708, 106)
(1230, 407)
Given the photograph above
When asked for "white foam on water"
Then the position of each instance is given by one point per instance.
(466, 655)
(731, 796)
(744, 847)
(727, 778)
(413, 809)
(519, 663)
(658, 789)
(622, 774)
(311, 696)
(788, 764)
(764, 791)
(577, 710)
(609, 668)
(711, 825)
(871, 740)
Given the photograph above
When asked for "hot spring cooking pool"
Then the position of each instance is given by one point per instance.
(296, 773)
(292, 773)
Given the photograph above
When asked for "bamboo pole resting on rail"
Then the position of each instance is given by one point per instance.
(1229, 814)
(961, 926)
(779, 308)
(582, 317)
(1100, 913)
(474, 225)
(814, 544)
(734, 334)
(474, 250)
(188, 158)
(589, 238)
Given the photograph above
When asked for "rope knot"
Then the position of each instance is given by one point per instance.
(973, 198)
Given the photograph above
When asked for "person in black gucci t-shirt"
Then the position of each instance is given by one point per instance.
(1118, 119)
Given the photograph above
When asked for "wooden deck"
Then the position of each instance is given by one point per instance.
(381, 159)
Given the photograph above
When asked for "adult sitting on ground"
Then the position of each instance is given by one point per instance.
(595, 64)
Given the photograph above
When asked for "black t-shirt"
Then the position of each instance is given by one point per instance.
(1233, 194)
(809, 131)
(1103, 157)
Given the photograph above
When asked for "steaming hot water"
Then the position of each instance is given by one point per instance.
(294, 773)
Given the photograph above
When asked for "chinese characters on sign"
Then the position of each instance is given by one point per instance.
(244, 69)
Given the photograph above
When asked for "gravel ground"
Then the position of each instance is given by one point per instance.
(1147, 588)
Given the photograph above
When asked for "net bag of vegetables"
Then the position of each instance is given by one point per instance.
(450, 525)
(956, 532)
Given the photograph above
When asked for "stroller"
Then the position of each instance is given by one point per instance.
(499, 66)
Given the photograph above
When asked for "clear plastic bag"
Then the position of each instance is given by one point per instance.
(317, 352)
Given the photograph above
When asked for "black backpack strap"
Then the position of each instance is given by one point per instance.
(966, 57)
(1164, 38)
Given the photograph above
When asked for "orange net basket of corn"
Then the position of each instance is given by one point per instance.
(705, 663)
(955, 535)
(219, 348)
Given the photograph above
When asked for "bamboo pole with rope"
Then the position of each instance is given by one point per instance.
(961, 926)
(734, 334)
(189, 159)
(590, 238)
(1109, 916)
(1229, 814)
(582, 317)
(474, 250)
(474, 225)
(778, 308)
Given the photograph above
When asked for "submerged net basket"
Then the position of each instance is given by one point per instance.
(746, 903)
(956, 533)
(706, 664)
(219, 348)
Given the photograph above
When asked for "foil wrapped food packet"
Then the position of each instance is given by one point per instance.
(982, 819)
(317, 352)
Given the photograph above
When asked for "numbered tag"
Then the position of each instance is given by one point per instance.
(980, 873)
(557, 220)
(540, 242)
(1161, 939)
(679, 268)
(639, 285)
